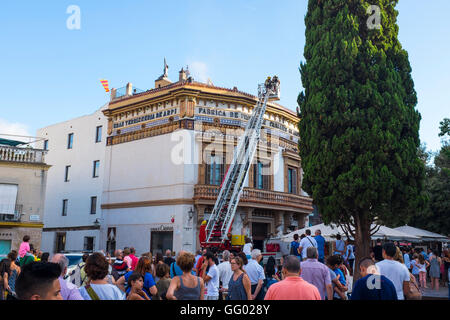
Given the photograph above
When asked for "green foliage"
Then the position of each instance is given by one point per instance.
(445, 127)
(359, 128)
(436, 216)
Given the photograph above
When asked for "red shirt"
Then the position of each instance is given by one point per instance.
(292, 288)
(134, 261)
(199, 266)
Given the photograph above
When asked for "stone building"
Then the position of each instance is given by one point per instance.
(23, 178)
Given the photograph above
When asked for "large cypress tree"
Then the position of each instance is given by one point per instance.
(359, 129)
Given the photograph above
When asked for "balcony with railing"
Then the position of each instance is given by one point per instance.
(16, 217)
(207, 194)
(24, 155)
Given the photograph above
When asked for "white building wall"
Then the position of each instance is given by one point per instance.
(81, 185)
(278, 183)
(145, 170)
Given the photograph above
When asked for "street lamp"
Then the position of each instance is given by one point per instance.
(190, 213)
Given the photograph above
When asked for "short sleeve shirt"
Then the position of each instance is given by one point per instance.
(396, 272)
(254, 271)
(247, 249)
(212, 285)
(104, 292)
(295, 245)
(307, 242)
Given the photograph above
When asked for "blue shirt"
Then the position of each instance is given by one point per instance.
(320, 246)
(374, 287)
(342, 277)
(148, 282)
(270, 282)
(295, 245)
(424, 255)
(175, 270)
(254, 271)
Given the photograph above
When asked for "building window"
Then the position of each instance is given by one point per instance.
(64, 207)
(96, 169)
(45, 144)
(93, 205)
(215, 171)
(292, 180)
(60, 240)
(261, 176)
(66, 174)
(98, 134)
(160, 241)
(70, 141)
(89, 243)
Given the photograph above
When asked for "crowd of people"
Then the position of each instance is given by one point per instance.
(307, 273)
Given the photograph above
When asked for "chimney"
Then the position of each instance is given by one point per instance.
(113, 93)
(129, 89)
(183, 75)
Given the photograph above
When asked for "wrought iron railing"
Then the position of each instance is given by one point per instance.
(16, 217)
(208, 192)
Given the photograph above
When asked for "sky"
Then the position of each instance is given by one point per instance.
(50, 73)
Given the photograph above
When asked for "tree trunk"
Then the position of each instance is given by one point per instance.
(362, 241)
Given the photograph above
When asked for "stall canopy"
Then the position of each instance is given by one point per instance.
(424, 235)
(329, 232)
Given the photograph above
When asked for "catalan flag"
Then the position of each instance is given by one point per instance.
(105, 84)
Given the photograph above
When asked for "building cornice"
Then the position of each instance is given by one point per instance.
(22, 225)
(198, 90)
(14, 164)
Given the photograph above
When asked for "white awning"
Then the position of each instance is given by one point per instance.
(329, 232)
(423, 234)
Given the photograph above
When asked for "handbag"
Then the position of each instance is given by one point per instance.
(414, 290)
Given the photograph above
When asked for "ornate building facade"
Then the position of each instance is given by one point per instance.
(167, 152)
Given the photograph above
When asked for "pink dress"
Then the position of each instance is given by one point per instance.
(23, 249)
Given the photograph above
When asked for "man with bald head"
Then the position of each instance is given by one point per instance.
(168, 258)
(69, 291)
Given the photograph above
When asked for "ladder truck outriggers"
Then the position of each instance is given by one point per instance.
(221, 220)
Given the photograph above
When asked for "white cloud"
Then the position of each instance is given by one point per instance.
(13, 128)
(199, 70)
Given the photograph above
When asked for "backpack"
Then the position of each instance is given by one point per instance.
(75, 276)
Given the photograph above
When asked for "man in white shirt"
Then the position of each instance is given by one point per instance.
(394, 271)
(247, 247)
(211, 277)
(225, 271)
(256, 274)
(307, 242)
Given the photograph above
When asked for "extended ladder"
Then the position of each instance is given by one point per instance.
(224, 210)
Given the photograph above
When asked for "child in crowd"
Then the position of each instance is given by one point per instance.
(163, 273)
(136, 283)
(24, 246)
(422, 264)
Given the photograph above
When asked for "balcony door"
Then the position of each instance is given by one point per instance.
(60, 242)
(160, 241)
(260, 232)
